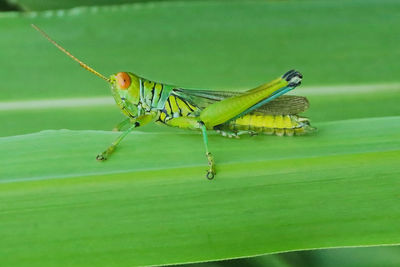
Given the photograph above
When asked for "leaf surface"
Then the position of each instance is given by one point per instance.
(152, 204)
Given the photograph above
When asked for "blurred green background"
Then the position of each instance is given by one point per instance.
(214, 45)
(229, 45)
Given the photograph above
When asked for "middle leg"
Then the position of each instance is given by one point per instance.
(194, 123)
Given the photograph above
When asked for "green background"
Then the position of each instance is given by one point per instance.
(150, 203)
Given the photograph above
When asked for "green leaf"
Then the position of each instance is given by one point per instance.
(368, 257)
(32, 5)
(150, 203)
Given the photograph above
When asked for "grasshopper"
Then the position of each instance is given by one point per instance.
(263, 109)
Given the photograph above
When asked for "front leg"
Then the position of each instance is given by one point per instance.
(139, 121)
(121, 125)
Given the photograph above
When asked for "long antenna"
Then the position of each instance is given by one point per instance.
(83, 65)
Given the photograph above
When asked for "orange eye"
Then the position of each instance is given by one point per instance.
(123, 79)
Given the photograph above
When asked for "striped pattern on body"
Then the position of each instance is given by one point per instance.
(152, 95)
(177, 107)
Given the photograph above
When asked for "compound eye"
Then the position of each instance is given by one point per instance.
(124, 80)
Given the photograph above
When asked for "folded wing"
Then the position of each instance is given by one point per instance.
(283, 105)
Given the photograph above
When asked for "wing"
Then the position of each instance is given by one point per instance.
(283, 105)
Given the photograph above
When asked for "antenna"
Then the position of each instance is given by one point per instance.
(83, 65)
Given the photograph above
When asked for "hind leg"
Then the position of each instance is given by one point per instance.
(240, 105)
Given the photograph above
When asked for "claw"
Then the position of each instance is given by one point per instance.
(101, 157)
(211, 172)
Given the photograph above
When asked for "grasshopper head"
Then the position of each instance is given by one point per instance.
(126, 91)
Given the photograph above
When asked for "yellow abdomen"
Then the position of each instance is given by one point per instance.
(270, 124)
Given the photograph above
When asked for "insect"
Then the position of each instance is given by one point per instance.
(263, 109)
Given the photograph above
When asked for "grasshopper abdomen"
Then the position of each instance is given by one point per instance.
(268, 124)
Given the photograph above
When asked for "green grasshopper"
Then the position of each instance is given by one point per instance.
(259, 110)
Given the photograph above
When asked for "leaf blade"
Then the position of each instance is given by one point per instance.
(174, 215)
